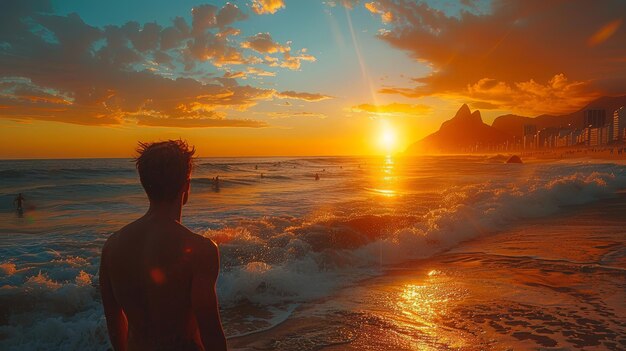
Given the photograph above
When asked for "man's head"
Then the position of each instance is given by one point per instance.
(165, 169)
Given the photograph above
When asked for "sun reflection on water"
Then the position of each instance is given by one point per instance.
(426, 302)
(388, 177)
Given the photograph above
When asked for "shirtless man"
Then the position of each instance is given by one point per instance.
(157, 278)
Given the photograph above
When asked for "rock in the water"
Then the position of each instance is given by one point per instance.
(514, 159)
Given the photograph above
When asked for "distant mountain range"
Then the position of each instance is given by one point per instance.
(466, 131)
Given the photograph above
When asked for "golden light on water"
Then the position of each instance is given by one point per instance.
(386, 179)
(425, 301)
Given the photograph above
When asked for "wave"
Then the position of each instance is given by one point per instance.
(287, 260)
(281, 261)
(70, 173)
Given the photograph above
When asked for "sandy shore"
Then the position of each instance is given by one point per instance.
(607, 154)
(553, 284)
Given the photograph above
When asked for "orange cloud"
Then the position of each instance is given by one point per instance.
(310, 97)
(393, 108)
(375, 8)
(155, 121)
(514, 47)
(263, 43)
(295, 114)
(604, 33)
(261, 7)
(143, 74)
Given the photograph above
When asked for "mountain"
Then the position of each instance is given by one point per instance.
(513, 125)
(464, 132)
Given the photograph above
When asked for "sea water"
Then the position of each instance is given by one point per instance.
(286, 239)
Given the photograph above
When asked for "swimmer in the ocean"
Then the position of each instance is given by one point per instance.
(19, 201)
(157, 278)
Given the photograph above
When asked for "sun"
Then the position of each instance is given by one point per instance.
(387, 138)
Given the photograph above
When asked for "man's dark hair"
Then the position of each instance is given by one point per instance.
(164, 168)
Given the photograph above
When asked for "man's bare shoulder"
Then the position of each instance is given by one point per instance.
(113, 239)
(205, 248)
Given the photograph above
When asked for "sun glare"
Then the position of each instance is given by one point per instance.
(387, 138)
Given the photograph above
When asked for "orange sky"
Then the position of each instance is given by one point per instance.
(283, 77)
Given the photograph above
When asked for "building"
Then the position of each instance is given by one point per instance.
(619, 124)
(567, 137)
(529, 138)
(547, 137)
(594, 118)
(598, 136)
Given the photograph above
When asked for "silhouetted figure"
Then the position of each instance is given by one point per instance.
(216, 183)
(19, 204)
(256, 167)
(317, 176)
(157, 278)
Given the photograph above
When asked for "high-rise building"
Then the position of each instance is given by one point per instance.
(530, 134)
(594, 118)
(619, 123)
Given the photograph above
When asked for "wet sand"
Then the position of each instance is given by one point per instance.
(552, 284)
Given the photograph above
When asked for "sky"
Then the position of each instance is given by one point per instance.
(290, 77)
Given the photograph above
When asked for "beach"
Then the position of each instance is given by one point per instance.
(557, 284)
(437, 252)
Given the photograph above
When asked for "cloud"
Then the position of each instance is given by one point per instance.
(346, 3)
(263, 43)
(557, 95)
(604, 33)
(59, 68)
(263, 7)
(310, 97)
(294, 62)
(393, 108)
(376, 9)
(528, 47)
(198, 122)
(295, 114)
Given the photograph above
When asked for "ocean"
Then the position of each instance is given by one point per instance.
(290, 243)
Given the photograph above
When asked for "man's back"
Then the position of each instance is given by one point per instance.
(162, 276)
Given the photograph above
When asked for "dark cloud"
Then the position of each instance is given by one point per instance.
(550, 55)
(60, 68)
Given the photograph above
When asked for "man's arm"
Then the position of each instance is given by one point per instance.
(116, 319)
(204, 297)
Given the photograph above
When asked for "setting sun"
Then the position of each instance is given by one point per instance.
(388, 137)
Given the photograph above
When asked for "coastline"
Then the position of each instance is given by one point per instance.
(528, 287)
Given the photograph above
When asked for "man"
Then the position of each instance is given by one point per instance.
(157, 278)
(19, 201)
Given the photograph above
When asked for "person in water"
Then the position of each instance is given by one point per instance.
(157, 278)
(216, 183)
(19, 202)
